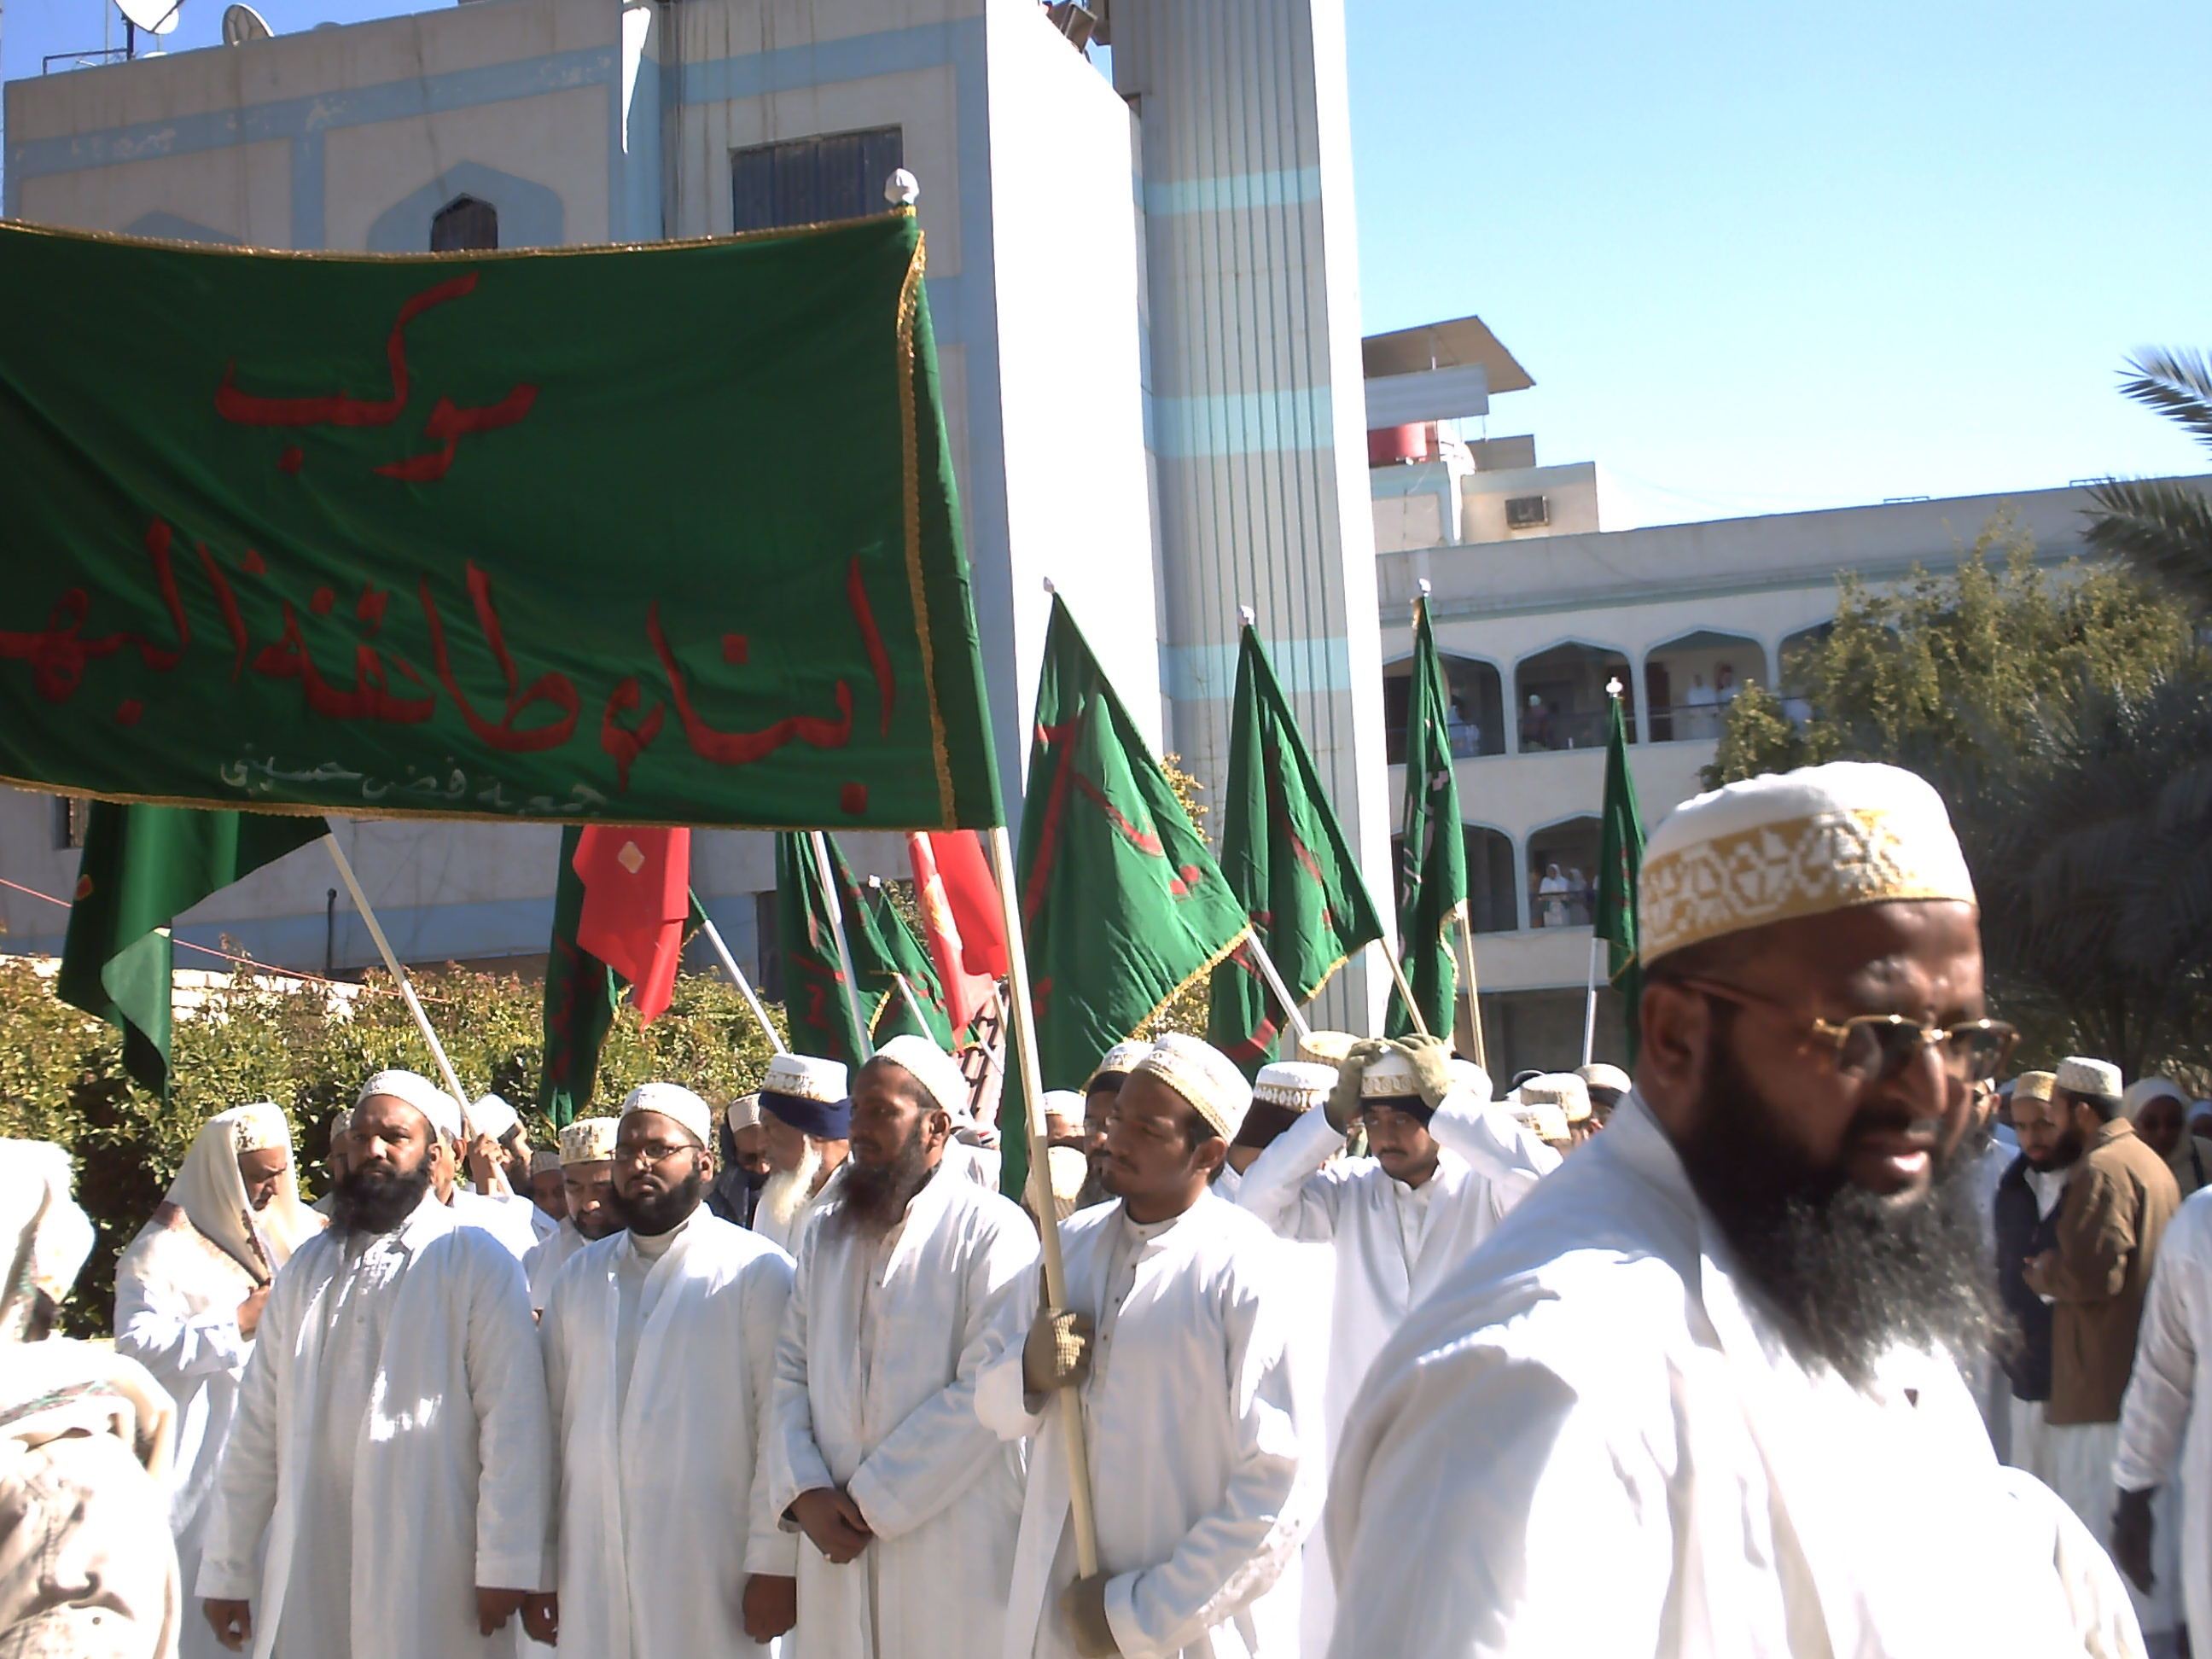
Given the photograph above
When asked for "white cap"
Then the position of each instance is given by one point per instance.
(1802, 843)
(937, 1072)
(2080, 1076)
(544, 1160)
(1066, 1103)
(493, 1116)
(1326, 1047)
(1602, 1075)
(1205, 1077)
(1541, 1118)
(1297, 1085)
(588, 1140)
(1388, 1076)
(744, 1112)
(673, 1100)
(1561, 1089)
(1121, 1060)
(805, 1076)
(260, 1127)
(418, 1091)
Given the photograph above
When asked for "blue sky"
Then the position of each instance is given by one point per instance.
(1757, 257)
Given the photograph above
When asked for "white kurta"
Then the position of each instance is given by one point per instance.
(546, 1259)
(1394, 1244)
(1205, 1462)
(176, 1313)
(2167, 1413)
(875, 1389)
(506, 1217)
(786, 1238)
(392, 1436)
(1586, 1443)
(664, 1504)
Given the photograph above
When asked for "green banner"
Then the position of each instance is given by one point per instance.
(581, 995)
(1620, 864)
(1431, 845)
(652, 535)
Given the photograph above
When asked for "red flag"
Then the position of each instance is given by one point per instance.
(637, 895)
(959, 904)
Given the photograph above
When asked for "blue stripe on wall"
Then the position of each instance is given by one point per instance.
(1233, 192)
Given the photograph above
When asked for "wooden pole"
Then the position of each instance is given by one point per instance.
(1467, 976)
(827, 873)
(1023, 1011)
(1257, 955)
(1405, 990)
(1589, 1003)
(744, 985)
(406, 985)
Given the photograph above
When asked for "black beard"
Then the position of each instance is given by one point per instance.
(1850, 1273)
(375, 1198)
(654, 1216)
(875, 1196)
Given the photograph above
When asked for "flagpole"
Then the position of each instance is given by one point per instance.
(913, 1002)
(1023, 1013)
(1257, 954)
(1590, 1004)
(406, 985)
(1466, 973)
(1405, 990)
(828, 876)
(744, 985)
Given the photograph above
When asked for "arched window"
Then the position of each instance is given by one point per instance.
(464, 224)
(1689, 682)
(1563, 873)
(1490, 899)
(1478, 707)
(1560, 697)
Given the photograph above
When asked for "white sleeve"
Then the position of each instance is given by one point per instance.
(2156, 1410)
(768, 1548)
(1286, 1186)
(153, 1327)
(1495, 1145)
(1001, 1389)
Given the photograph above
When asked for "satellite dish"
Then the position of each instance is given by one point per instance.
(241, 24)
(154, 16)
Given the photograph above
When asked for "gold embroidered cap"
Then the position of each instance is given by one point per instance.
(1802, 843)
(589, 1140)
(1202, 1075)
(2034, 1085)
(1326, 1047)
(2079, 1075)
(1121, 1060)
(1296, 1086)
(260, 1127)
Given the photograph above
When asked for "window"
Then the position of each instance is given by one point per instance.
(1563, 873)
(1527, 512)
(807, 181)
(768, 947)
(1689, 682)
(463, 224)
(1489, 881)
(1561, 697)
(1477, 716)
(71, 813)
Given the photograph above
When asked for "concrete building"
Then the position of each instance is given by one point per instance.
(1143, 292)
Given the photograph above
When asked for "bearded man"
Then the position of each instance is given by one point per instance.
(587, 1190)
(189, 1294)
(909, 1505)
(391, 1441)
(1719, 1349)
(659, 1359)
(804, 1118)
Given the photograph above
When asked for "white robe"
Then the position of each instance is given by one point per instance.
(786, 1238)
(2167, 1415)
(1586, 1443)
(431, 1366)
(546, 1259)
(1205, 1462)
(506, 1217)
(875, 1385)
(661, 1489)
(1488, 1163)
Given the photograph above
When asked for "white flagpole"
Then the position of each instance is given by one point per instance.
(1257, 955)
(827, 873)
(406, 985)
(744, 985)
(1023, 1011)
(1590, 1004)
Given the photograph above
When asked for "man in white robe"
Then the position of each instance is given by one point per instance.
(660, 1367)
(1203, 1461)
(1698, 1393)
(189, 1295)
(587, 1176)
(909, 1503)
(804, 1117)
(392, 1438)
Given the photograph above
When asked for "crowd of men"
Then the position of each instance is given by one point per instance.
(1353, 1358)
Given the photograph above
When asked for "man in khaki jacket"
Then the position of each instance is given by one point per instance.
(2114, 1210)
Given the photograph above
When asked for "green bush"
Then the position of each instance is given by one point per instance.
(61, 1075)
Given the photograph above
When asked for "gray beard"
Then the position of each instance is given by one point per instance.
(788, 1193)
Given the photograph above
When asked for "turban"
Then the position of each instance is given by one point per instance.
(493, 1116)
(809, 1094)
(1205, 1078)
(939, 1073)
(1121, 1060)
(1803, 843)
(2143, 1091)
(673, 1100)
(2078, 1076)
(1561, 1089)
(588, 1140)
(2033, 1085)
(443, 1111)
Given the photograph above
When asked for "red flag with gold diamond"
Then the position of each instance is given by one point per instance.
(637, 896)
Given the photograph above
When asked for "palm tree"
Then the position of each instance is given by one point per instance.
(2162, 525)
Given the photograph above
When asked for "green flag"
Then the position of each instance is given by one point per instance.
(911, 963)
(143, 867)
(1620, 857)
(1431, 848)
(581, 993)
(1285, 857)
(814, 999)
(1121, 903)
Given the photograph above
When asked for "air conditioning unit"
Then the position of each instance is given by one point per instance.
(1527, 512)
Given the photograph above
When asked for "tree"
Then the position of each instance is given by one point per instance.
(2163, 525)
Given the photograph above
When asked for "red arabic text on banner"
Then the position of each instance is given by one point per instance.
(637, 895)
(966, 993)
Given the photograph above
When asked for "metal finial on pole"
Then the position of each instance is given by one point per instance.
(1613, 688)
(1246, 615)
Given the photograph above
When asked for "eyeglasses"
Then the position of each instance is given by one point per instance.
(1874, 1048)
(653, 1152)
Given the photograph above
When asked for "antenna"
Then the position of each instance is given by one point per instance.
(242, 23)
(154, 17)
